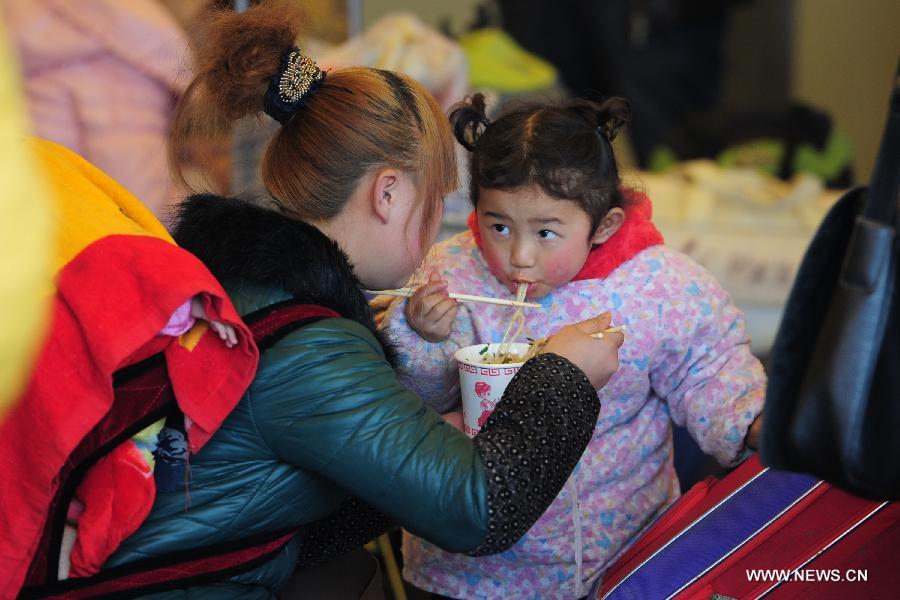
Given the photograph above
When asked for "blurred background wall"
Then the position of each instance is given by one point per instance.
(835, 54)
(433, 12)
(843, 54)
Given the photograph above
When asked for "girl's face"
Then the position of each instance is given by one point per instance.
(528, 236)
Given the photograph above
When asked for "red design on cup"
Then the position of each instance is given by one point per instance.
(487, 407)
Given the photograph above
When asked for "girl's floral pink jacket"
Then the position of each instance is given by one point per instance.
(686, 359)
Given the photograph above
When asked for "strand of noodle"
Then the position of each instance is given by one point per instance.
(534, 349)
(499, 356)
(518, 320)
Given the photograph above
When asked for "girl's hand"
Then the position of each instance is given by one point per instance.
(598, 358)
(224, 330)
(430, 311)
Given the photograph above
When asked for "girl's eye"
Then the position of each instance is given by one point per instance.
(500, 228)
(546, 234)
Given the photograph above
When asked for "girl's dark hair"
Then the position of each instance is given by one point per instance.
(359, 119)
(565, 149)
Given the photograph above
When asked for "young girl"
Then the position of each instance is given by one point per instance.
(550, 212)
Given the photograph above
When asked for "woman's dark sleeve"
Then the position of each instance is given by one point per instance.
(353, 524)
(531, 443)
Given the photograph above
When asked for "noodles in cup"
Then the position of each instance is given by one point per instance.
(509, 336)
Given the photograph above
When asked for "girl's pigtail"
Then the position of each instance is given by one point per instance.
(469, 120)
(612, 115)
(607, 117)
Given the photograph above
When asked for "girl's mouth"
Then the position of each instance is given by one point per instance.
(514, 286)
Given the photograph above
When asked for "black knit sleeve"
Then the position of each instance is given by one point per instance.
(531, 443)
(353, 524)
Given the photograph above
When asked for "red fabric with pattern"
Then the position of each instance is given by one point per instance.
(146, 392)
(111, 301)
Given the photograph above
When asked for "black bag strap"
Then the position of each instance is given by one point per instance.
(884, 189)
(273, 322)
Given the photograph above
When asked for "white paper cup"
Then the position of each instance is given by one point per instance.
(483, 385)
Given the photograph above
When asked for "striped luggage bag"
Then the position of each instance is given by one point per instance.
(761, 532)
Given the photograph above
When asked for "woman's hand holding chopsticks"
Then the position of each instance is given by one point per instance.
(597, 356)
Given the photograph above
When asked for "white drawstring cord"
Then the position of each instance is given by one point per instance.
(579, 541)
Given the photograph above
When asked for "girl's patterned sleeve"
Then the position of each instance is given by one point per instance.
(427, 368)
(705, 372)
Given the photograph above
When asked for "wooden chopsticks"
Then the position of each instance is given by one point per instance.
(608, 330)
(406, 292)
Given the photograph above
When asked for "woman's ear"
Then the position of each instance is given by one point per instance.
(384, 192)
(608, 225)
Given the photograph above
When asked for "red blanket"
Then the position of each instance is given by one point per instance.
(120, 278)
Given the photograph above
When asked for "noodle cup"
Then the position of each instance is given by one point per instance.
(482, 385)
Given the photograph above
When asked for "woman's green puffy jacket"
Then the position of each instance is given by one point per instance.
(325, 426)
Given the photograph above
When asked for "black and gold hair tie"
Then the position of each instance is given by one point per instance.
(297, 79)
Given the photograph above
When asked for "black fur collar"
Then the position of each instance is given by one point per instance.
(240, 242)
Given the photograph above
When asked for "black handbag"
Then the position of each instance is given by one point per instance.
(833, 397)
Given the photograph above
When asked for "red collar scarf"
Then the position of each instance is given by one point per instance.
(636, 233)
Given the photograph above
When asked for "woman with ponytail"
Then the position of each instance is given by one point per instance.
(327, 442)
(550, 211)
